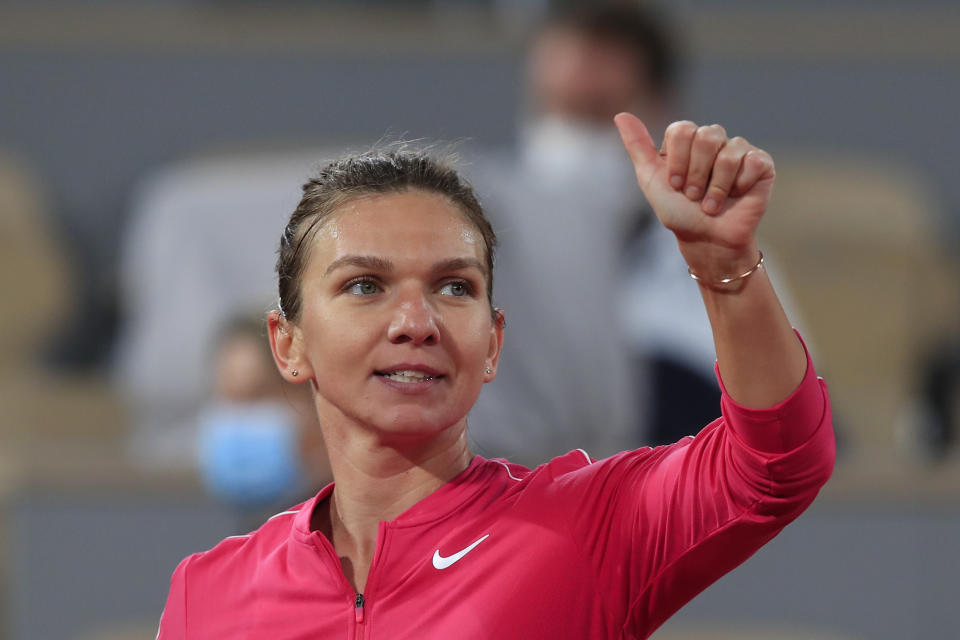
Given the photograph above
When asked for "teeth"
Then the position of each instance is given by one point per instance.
(408, 376)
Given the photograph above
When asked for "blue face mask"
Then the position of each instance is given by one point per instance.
(248, 453)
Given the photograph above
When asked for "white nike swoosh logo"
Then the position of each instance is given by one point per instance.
(439, 562)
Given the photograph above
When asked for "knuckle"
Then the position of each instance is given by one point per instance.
(727, 160)
(763, 158)
(712, 135)
(681, 128)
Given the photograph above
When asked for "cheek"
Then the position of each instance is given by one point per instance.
(476, 339)
(335, 341)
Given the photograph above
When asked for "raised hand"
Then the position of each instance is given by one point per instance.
(709, 190)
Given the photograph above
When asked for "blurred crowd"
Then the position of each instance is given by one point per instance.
(580, 257)
(607, 344)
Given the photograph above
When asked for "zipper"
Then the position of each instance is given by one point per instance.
(359, 600)
(358, 603)
(358, 607)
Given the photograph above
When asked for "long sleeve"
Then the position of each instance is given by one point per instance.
(660, 525)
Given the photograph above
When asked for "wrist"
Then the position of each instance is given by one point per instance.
(721, 268)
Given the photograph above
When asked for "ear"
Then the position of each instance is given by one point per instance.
(496, 344)
(286, 343)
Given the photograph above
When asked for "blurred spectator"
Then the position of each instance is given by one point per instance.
(620, 340)
(200, 250)
(613, 351)
(259, 441)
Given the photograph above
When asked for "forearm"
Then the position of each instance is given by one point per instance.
(760, 358)
(711, 191)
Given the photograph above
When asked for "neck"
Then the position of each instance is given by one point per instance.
(376, 481)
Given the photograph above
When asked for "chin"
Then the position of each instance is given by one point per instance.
(417, 424)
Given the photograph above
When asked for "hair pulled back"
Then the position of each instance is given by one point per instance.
(371, 173)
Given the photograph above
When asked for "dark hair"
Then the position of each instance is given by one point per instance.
(641, 30)
(373, 172)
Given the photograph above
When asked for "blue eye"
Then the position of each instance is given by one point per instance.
(457, 289)
(363, 287)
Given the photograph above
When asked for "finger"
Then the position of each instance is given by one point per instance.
(643, 153)
(725, 170)
(707, 143)
(757, 165)
(676, 144)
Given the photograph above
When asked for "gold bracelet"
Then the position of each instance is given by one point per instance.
(727, 280)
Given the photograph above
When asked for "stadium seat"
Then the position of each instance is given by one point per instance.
(858, 241)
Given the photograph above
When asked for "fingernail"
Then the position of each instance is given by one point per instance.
(676, 181)
(710, 205)
(692, 192)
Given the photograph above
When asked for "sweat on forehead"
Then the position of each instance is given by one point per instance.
(370, 174)
(360, 226)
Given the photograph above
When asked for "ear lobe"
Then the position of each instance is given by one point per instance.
(496, 344)
(286, 346)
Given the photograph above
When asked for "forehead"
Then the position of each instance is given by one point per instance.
(409, 226)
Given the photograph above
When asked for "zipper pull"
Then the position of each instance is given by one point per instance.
(358, 607)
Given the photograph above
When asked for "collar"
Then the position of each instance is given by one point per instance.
(469, 485)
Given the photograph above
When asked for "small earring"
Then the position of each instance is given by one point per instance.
(489, 370)
(294, 373)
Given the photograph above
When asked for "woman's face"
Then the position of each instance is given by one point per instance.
(395, 322)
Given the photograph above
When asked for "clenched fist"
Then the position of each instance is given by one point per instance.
(710, 190)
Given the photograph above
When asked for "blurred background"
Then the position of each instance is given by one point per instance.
(150, 152)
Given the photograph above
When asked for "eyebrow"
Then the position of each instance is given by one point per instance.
(456, 264)
(380, 264)
(364, 262)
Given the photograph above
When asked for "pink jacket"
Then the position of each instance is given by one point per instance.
(575, 548)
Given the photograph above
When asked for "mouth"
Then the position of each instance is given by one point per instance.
(410, 376)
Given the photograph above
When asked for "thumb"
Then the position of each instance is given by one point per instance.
(643, 153)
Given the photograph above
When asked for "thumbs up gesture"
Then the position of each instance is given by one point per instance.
(710, 190)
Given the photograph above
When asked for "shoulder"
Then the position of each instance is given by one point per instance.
(216, 585)
(239, 553)
(572, 461)
(576, 478)
(578, 472)
(579, 464)
(502, 470)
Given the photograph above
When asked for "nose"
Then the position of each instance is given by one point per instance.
(414, 320)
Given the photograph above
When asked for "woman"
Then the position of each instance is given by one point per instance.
(385, 292)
